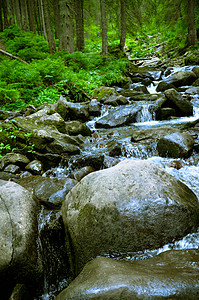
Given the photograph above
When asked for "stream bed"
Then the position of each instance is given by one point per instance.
(188, 172)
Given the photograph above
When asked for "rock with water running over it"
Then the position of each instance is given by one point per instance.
(170, 275)
(18, 231)
(183, 106)
(132, 206)
(181, 78)
(119, 116)
(178, 144)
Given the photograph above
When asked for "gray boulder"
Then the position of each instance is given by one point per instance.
(181, 78)
(178, 144)
(18, 231)
(13, 158)
(132, 206)
(72, 111)
(116, 100)
(170, 275)
(119, 116)
(182, 105)
(77, 127)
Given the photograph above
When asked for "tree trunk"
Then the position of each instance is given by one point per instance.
(17, 12)
(5, 14)
(48, 26)
(31, 15)
(42, 18)
(79, 24)
(56, 17)
(24, 15)
(123, 24)
(192, 34)
(1, 16)
(104, 28)
(10, 7)
(66, 31)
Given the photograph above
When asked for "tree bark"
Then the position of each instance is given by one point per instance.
(31, 15)
(10, 7)
(79, 24)
(5, 14)
(17, 12)
(1, 17)
(104, 28)
(192, 34)
(24, 15)
(66, 31)
(48, 26)
(123, 24)
(56, 17)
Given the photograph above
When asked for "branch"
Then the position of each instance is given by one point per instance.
(13, 56)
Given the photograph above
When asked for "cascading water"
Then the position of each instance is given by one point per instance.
(187, 173)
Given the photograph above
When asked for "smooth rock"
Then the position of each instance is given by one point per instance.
(132, 206)
(178, 144)
(170, 275)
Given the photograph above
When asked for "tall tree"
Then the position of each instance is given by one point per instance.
(56, 17)
(123, 23)
(79, 24)
(104, 27)
(24, 15)
(192, 34)
(17, 12)
(66, 30)
(5, 14)
(1, 16)
(48, 26)
(31, 14)
(11, 15)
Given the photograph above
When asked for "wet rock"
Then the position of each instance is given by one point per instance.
(77, 127)
(196, 71)
(184, 107)
(94, 108)
(181, 78)
(163, 86)
(35, 167)
(170, 275)
(72, 111)
(114, 148)
(165, 113)
(139, 88)
(8, 176)
(178, 144)
(54, 190)
(13, 158)
(18, 227)
(193, 90)
(119, 116)
(152, 134)
(12, 169)
(80, 161)
(8, 115)
(116, 100)
(104, 92)
(79, 174)
(132, 206)
(196, 83)
(110, 161)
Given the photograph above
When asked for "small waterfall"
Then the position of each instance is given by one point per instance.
(145, 115)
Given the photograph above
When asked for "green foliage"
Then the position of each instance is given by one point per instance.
(50, 95)
(51, 70)
(26, 45)
(14, 139)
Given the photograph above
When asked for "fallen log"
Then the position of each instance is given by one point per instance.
(13, 56)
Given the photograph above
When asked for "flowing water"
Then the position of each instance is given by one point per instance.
(188, 173)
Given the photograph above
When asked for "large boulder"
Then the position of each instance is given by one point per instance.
(132, 206)
(119, 116)
(170, 275)
(177, 144)
(183, 106)
(181, 78)
(18, 231)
